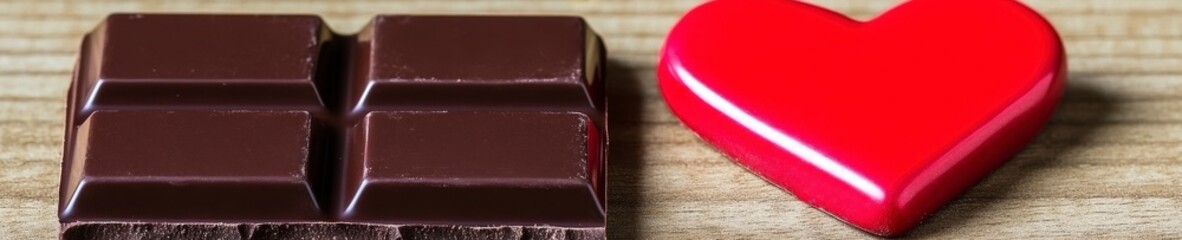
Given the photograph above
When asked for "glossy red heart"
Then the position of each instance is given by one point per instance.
(878, 123)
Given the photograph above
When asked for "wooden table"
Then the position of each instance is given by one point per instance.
(1108, 166)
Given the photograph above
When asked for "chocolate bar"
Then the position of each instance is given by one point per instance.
(274, 127)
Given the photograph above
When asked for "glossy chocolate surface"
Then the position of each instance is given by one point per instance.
(448, 167)
(193, 165)
(137, 61)
(277, 127)
(476, 62)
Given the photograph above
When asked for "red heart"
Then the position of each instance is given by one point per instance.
(878, 123)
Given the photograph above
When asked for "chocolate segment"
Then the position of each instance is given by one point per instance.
(209, 165)
(153, 61)
(475, 63)
(473, 168)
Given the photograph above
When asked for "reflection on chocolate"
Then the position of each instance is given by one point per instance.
(274, 127)
(478, 168)
(474, 63)
(233, 62)
(192, 165)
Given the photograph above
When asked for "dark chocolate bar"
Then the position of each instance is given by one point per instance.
(274, 127)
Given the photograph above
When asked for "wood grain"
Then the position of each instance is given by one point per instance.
(1109, 165)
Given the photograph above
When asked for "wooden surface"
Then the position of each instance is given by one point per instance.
(1108, 166)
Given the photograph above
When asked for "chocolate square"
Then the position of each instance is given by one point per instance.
(196, 165)
(535, 63)
(228, 61)
(475, 168)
